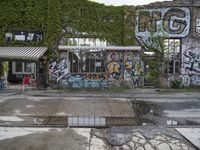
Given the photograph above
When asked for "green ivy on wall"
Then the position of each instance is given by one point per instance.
(97, 20)
(81, 18)
(17, 15)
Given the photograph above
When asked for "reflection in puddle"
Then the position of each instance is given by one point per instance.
(148, 124)
(172, 122)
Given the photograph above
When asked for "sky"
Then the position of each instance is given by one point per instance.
(127, 2)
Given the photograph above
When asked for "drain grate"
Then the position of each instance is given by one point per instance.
(86, 121)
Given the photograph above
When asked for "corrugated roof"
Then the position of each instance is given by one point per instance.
(24, 53)
(134, 48)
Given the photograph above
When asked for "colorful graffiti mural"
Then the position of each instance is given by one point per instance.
(83, 81)
(151, 24)
(59, 72)
(124, 65)
(114, 69)
(115, 64)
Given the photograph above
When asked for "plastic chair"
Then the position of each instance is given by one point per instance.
(25, 83)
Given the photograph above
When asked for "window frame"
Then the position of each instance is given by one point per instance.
(171, 55)
(90, 60)
(23, 68)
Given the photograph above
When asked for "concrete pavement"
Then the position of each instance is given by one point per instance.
(52, 108)
(116, 138)
(191, 134)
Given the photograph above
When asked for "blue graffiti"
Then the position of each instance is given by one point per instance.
(96, 83)
(76, 81)
(59, 72)
(79, 81)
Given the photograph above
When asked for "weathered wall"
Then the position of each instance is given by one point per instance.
(60, 75)
(190, 68)
(153, 24)
(173, 19)
(190, 56)
(123, 69)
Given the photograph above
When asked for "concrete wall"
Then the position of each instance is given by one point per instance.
(174, 19)
(190, 68)
(123, 69)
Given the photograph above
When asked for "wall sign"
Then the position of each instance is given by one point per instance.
(24, 36)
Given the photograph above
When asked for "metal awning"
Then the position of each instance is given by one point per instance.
(133, 48)
(22, 53)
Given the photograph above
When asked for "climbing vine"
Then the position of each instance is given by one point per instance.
(17, 15)
(97, 20)
(66, 18)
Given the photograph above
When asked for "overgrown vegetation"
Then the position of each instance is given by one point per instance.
(3, 68)
(17, 15)
(77, 17)
(176, 84)
(156, 71)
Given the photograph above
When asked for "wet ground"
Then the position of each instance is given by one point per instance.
(24, 110)
(167, 114)
(138, 121)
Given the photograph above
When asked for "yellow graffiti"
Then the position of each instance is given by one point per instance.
(113, 67)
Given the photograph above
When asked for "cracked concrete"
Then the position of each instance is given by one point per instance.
(89, 139)
(137, 139)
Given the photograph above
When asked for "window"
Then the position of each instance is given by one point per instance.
(18, 66)
(172, 55)
(27, 67)
(86, 42)
(87, 61)
(23, 68)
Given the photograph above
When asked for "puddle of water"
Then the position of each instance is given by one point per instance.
(184, 113)
(182, 122)
(144, 114)
(11, 118)
(172, 122)
(148, 123)
(30, 106)
(141, 108)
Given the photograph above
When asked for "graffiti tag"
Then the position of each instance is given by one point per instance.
(192, 62)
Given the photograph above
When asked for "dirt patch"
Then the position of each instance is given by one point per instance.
(67, 139)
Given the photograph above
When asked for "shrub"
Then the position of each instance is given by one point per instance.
(176, 84)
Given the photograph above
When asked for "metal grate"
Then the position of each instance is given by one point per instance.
(86, 121)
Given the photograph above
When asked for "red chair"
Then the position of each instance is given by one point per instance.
(25, 83)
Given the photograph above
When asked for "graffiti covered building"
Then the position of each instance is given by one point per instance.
(171, 28)
(97, 67)
(176, 24)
